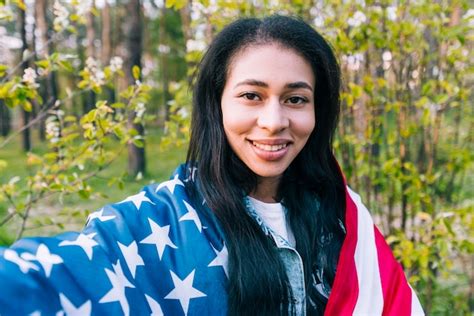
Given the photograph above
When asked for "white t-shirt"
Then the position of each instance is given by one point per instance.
(274, 216)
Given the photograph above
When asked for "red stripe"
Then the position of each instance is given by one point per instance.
(345, 289)
(396, 291)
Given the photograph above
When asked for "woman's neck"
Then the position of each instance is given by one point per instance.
(266, 190)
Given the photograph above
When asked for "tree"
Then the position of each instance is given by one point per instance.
(107, 48)
(90, 54)
(49, 90)
(26, 135)
(133, 30)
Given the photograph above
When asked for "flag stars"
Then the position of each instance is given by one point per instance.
(117, 293)
(132, 258)
(159, 237)
(170, 184)
(99, 215)
(221, 259)
(84, 241)
(44, 258)
(191, 215)
(71, 310)
(137, 200)
(24, 265)
(184, 290)
(154, 306)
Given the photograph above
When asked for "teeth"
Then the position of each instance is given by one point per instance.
(269, 147)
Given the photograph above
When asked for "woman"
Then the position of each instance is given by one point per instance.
(257, 222)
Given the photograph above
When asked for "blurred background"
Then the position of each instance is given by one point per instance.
(95, 103)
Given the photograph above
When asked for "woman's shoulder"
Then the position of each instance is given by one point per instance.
(147, 243)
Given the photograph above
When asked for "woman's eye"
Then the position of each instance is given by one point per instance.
(297, 100)
(250, 96)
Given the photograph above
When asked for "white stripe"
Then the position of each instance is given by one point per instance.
(370, 300)
(416, 309)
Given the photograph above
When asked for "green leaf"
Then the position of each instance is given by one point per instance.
(3, 164)
(66, 65)
(3, 70)
(136, 72)
(27, 106)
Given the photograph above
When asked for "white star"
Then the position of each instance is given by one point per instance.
(154, 306)
(132, 258)
(137, 200)
(159, 237)
(100, 216)
(44, 257)
(220, 259)
(84, 241)
(117, 292)
(184, 291)
(191, 215)
(24, 265)
(170, 184)
(71, 310)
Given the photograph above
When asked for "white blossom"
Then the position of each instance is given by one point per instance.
(29, 78)
(469, 16)
(357, 19)
(387, 56)
(195, 45)
(97, 76)
(183, 112)
(52, 129)
(391, 13)
(353, 62)
(91, 63)
(387, 59)
(82, 7)
(61, 15)
(164, 49)
(318, 21)
(140, 110)
(116, 63)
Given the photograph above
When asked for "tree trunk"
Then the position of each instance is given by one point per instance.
(90, 53)
(164, 67)
(26, 134)
(106, 53)
(5, 119)
(133, 41)
(43, 27)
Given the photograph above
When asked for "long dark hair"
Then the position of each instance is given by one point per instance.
(311, 188)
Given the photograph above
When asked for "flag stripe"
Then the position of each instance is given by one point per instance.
(397, 292)
(367, 263)
(345, 287)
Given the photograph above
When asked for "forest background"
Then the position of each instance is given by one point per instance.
(95, 103)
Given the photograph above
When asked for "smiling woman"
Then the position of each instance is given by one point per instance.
(258, 221)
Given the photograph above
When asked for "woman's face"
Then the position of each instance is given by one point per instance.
(268, 107)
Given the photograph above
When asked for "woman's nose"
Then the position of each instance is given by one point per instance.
(272, 117)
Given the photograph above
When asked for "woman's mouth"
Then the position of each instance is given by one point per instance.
(267, 147)
(270, 151)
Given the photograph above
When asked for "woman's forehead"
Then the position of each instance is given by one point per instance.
(269, 62)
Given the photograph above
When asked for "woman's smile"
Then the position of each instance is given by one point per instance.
(270, 149)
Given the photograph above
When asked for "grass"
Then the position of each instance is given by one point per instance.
(72, 210)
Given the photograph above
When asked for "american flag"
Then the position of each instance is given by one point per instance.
(155, 253)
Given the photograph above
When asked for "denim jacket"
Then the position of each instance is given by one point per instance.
(291, 259)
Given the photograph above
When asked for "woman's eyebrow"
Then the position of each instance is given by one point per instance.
(299, 85)
(252, 82)
(258, 83)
